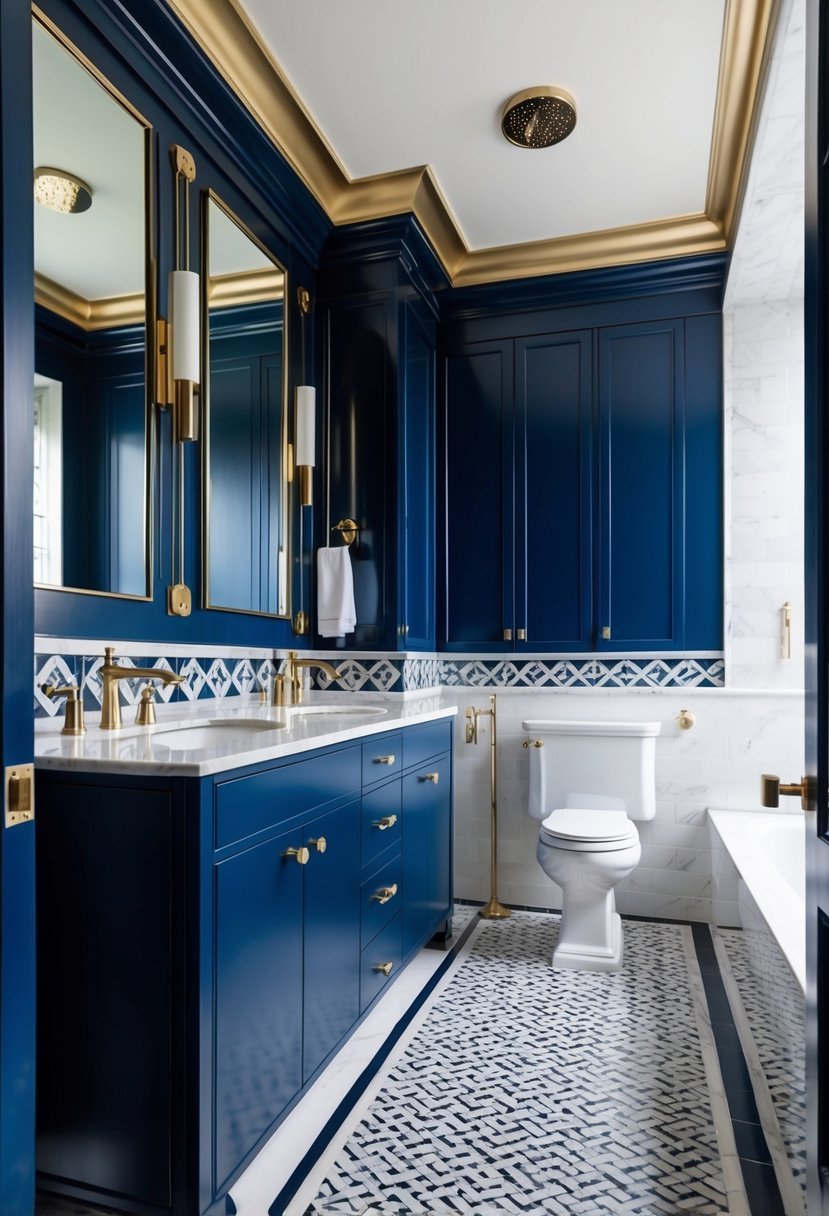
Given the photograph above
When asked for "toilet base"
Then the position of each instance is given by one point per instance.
(606, 958)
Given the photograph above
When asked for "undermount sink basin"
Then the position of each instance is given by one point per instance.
(211, 734)
(340, 710)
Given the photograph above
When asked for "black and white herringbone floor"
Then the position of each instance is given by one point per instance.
(541, 1092)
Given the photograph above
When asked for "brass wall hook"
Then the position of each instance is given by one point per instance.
(348, 530)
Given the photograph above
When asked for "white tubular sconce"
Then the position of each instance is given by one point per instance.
(305, 447)
(184, 303)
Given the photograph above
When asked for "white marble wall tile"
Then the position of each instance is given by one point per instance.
(737, 736)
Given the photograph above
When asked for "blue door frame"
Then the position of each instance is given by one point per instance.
(17, 941)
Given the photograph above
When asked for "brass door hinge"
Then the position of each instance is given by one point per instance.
(20, 794)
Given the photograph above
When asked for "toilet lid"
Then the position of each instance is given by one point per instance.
(580, 823)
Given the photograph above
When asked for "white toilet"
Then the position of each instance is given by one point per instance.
(588, 782)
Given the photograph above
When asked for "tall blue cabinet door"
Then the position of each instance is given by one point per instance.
(258, 999)
(332, 932)
(361, 433)
(642, 487)
(554, 491)
(427, 849)
(416, 556)
(479, 606)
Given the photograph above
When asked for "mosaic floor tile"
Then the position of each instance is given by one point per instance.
(528, 1090)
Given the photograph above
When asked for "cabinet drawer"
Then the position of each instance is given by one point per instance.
(382, 896)
(382, 757)
(250, 804)
(419, 742)
(375, 971)
(379, 807)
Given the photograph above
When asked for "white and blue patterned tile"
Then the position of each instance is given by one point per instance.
(547, 1093)
(194, 677)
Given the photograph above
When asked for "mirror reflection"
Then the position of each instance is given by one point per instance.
(247, 525)
(91, 500)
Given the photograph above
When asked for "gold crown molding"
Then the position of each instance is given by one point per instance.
(238, 53)
(680, 236)
(748, 35)
(110, 313)
(246, 287)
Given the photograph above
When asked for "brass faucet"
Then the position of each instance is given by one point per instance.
(111, 673)
(292, 669)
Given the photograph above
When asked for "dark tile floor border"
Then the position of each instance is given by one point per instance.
(759, 1177)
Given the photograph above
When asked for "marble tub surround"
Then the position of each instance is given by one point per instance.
(265, 733)
(737, 736)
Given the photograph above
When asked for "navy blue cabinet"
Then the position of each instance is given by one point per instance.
(258, 1027)
(379, 338)
(205, 945)
(583, 490)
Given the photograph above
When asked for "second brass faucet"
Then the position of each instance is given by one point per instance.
(293, 667)
(111, 673)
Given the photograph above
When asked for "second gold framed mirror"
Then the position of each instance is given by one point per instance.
(244, 385)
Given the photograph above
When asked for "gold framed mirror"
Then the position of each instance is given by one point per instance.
(247, 524)
(95, 302)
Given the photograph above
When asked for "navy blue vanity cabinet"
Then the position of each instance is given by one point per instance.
(206, 944)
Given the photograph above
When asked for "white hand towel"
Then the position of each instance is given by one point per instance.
(336, 614)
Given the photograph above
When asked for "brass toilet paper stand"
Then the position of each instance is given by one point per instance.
(494, 910)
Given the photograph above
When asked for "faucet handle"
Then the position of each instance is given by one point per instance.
(771, 788)
(73, 723)
(145, 714)
(109, 655)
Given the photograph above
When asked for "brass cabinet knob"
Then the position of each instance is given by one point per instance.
(507, 635)
(434, 777)
(388, 821)
(320, 844)
(384, 759)
(385, 894)
(301, 854)
(605, 633)
(386, 968)
(521, 635)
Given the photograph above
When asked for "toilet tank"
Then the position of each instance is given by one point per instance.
(603, 765)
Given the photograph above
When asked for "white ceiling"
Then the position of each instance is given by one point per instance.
(393, 86)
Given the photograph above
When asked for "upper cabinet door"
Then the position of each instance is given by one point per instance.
(480, 510)
(554, 492)
(416, 548)
(642, 487)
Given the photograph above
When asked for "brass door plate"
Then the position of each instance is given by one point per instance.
(20, 794)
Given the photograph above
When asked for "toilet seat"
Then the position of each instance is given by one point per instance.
(582, 830)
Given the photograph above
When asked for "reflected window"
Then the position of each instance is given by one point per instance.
(48, 484)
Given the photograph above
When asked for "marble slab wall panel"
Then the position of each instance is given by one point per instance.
(764, 421)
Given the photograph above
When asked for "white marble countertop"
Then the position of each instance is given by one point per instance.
(262, 733)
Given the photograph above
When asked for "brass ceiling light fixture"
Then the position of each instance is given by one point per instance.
(61, 191)
(539, 117)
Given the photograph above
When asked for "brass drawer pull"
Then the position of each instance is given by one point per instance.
(386, 968)
(385, 894)
(532, 743)
(434, 777)
(384, 759)
(320, 844)
(388, 821)
(301, 854)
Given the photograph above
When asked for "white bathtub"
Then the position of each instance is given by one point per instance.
(767, 850)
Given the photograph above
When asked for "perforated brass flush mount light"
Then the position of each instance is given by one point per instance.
(539, 117)
(61, 191)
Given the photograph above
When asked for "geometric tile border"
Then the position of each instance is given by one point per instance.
(227, 677)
